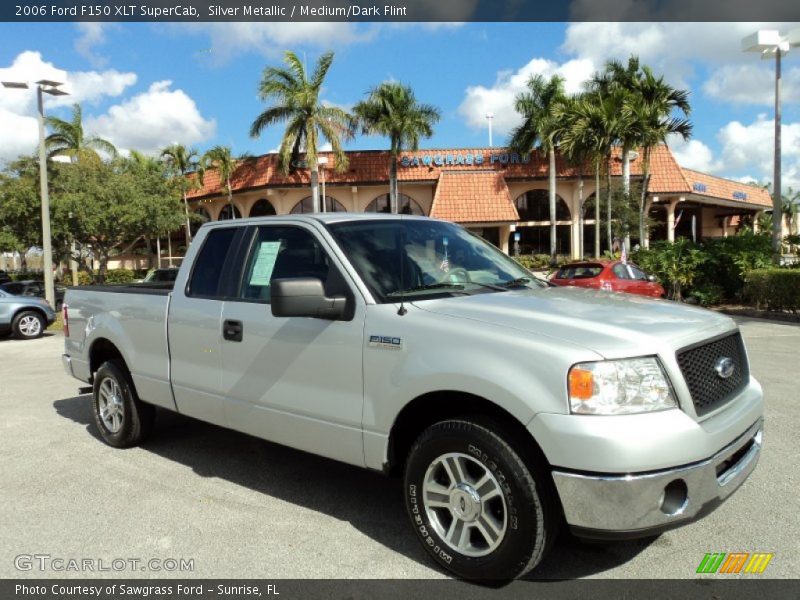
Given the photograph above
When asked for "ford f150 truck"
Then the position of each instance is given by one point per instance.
(411, 346)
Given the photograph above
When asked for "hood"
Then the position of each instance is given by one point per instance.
(612, 324)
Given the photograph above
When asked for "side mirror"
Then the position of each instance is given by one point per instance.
(305, 297)
(652, 278)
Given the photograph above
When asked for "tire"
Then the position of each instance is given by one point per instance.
(463, 476)
(122, 419)
(28, 325)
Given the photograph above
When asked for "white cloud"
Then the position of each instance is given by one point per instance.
(91, 34)
(670, 48)
(693, 154)
(228, 40)
(499, 98)
(18, 107)
(153, 119)
(752, 84)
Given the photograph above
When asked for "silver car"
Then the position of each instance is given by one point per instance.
(25, 317)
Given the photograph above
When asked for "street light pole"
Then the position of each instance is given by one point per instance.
(47, 250)
(44, 86)
(490, 117)
(768, 42)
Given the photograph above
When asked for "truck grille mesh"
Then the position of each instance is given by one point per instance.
(708, 389)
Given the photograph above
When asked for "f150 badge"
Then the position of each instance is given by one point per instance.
(386, 342)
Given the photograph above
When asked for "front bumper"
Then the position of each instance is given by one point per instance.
(641, 504)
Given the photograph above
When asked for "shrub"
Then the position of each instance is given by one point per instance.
(728, 259)
(676, 265)
(120, 276)
(707, 293)
(25, 275)
(538, 262)
(774, 289)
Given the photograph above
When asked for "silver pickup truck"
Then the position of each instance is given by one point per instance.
(410, 346)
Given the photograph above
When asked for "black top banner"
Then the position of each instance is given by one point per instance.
(399, 10)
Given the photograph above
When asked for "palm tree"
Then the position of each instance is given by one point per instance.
(539, 130)
(392, 110)
(652, 107)
(590, 123)
(295, 101)
(69, 139)
(182, 161)
(790, 209)
(222, 159)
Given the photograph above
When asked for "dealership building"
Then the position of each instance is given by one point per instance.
(495, 192)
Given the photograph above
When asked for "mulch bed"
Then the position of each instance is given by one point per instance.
(749, 311)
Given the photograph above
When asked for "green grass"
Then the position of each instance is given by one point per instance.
(58, 324)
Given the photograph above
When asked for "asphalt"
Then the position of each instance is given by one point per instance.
(242, 507)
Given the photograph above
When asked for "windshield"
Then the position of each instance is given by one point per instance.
(419, 258)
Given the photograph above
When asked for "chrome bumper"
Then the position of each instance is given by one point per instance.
(620, 506)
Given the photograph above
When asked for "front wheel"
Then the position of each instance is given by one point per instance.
(475, 504)
(28, 325)
(122, 419)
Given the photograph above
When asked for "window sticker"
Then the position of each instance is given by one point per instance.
(265, 263)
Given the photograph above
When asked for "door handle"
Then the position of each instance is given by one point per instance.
(232, 330)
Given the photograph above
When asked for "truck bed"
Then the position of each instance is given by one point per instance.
(136, 315)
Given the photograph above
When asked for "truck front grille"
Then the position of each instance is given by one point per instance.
(701, 365)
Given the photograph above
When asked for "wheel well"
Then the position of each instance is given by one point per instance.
(430, 408)
(101, 351)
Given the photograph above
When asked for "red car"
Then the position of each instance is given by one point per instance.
(613, 276)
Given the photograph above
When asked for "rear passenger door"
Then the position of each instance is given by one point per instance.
(194, 327)
(293, 380)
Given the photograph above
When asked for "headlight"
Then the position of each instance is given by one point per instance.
(619, 387)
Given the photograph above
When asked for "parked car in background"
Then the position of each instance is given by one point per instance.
(612, 276)
(24, 317)
(32, 287)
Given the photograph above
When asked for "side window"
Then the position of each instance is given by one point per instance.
(621, 271)
(208, 266)
(285, 252)
(638, 274)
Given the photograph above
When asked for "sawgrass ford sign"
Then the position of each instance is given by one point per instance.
(465, 158)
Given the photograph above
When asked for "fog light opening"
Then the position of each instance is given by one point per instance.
(675, 497)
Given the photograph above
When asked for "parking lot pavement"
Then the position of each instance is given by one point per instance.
(241, 507)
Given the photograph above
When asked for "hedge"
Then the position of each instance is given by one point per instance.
(773, 289)
(112, 276)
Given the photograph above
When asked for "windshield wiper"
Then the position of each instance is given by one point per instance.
(516, 282)
(427, 287)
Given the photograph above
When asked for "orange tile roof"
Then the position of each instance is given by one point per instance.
(372, 167)
(473, 197)
(727, 189)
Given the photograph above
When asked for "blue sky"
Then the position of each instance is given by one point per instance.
(144, 86)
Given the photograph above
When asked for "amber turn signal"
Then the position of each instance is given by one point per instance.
(581, 384)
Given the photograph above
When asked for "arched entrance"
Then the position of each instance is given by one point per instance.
(406, 205)
(306, 205)
(533, 207)
(228, 212)
(262, 208)
(201, 216)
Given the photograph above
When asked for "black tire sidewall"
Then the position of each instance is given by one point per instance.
(524, 540)
(130, 431)
(28, 313)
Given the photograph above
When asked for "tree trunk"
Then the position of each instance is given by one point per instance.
(610, 240)
(188, 224)
(315, 203)
(552, 198)
(597, 209)
(643, 241)
(580, 214)
(393, 206)
(101, 271)
(230, 198)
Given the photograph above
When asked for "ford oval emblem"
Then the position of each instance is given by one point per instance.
(725, 367)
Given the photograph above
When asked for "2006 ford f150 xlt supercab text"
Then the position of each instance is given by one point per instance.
(411, 346)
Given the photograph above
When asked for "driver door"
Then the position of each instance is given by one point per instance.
(294, 380)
